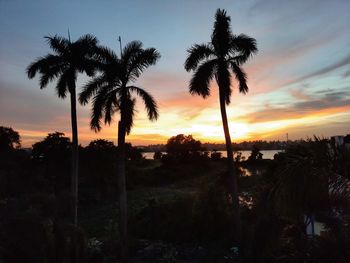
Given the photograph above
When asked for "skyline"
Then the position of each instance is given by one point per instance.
(298, 82)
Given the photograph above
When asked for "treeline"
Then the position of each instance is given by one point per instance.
(241, 146)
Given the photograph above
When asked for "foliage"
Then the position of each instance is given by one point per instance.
(111, 91)
(226, 52)
(53, 145)
(157, 155)
(99, 169)
(132, 153)
(53, 154)
(215, 155)
(255, 155)
(68, 59)
(9, 139)
(299, 179)
(182, 148)
(309, 177)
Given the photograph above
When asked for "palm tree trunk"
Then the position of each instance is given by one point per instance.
(232, 174)
(75, 153)
(122, 192)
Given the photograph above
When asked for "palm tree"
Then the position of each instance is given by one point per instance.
(225, 53)
(69, 59)
(111, 93)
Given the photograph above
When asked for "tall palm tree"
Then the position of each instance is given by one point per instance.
(225, 53)
(112, 92)
(69, 59)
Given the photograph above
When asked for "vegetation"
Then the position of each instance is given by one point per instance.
(188, 205)
(225, 53)
(9, 139)
(112, 92)
(176, 211)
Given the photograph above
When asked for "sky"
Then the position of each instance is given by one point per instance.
(299, 82)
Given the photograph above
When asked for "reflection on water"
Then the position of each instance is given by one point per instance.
(267, 154)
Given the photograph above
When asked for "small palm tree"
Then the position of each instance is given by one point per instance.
(69, 59)
(224, 54)
(111, 93)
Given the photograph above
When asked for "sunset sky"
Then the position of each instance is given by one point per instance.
(299, 82)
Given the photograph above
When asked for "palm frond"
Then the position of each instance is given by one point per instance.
(222, 33)
(62, 85)
(91, 88)
(141, 60)
(49, 74)
(98, 105)
(200, 81)
(58, 44)
(150, 103)
(196, 54)
(223, 79)
(111, 105)
(42, 64)
(88, 66)
(241, 77)
(87, 41)
(245, 46)
(129, 51)
(105, 54)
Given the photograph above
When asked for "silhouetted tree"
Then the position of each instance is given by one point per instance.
(215, 155)
(132, 153)
(9, 139)
(183, 147)
(99, 169)
(305, 179)
(157, 155)
(69, 59)
(255, 154)
(112, 92)
(225, 53)
(52, 154)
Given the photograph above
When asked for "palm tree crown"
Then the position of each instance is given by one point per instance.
(225, 52)
(69, 58)
(112, 91)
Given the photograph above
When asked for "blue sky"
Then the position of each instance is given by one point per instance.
(299, 81)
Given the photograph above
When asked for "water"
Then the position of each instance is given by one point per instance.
(267, 154)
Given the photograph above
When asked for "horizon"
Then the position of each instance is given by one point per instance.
(298, 81)
(221, 143)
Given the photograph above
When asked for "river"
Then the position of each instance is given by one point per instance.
(267, 154)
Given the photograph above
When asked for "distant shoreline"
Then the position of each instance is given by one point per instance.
(267, 154)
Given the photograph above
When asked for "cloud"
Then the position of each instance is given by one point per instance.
(329, 103)
(300, 95)
(325, 70)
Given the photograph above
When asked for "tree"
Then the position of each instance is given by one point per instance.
(9, 139)
(52, 153)
(157, 155)
(225, 53)
(132, 153)
(112, 92)
(69, 59)
(183, 147)
(255, 154)
(99, 168)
